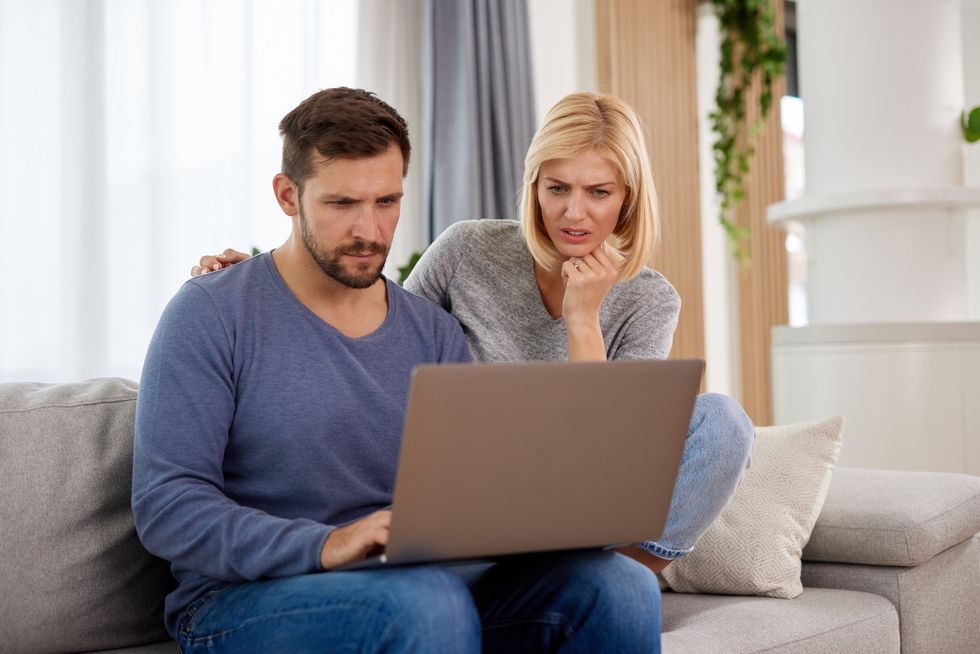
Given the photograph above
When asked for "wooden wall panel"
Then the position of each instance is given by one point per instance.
(646, 56)
(763, 289)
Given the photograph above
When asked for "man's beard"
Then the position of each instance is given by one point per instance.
(331, 263)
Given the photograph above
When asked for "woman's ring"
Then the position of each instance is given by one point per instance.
(574, 262)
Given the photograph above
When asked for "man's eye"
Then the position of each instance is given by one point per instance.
(387, 202)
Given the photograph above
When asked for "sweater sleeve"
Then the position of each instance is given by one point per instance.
(184, 415)
(435, 270)
(650, 332)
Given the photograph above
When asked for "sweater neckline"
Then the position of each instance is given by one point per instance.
(531, 285)
(379, 331)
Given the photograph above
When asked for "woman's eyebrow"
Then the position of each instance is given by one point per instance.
(549, 178)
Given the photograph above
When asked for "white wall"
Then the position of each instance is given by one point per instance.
(718, 268)
(971, 152)
(563, 50)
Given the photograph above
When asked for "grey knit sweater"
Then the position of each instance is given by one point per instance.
(482, 273)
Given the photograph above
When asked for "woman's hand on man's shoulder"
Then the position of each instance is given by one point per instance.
(212, 262)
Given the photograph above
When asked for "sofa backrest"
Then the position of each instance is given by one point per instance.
(73, 573)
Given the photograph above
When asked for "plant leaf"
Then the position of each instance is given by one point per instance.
(406, 270)
(971, 125)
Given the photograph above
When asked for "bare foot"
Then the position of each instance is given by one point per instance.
(655, 563)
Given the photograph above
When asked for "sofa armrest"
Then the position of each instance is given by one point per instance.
(894, 518)
(936, 601)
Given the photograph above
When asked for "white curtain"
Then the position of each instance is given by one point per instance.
(136, 135)
(389, 62)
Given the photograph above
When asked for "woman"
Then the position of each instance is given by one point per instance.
(569, 281)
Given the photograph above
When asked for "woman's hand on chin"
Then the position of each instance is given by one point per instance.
(587, 282)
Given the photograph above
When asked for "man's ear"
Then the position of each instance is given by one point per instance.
(287, 194)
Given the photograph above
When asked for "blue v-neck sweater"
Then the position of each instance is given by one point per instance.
(259, 427)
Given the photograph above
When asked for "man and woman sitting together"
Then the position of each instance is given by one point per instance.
(273, 396)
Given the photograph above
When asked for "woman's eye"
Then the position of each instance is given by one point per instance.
(556, 189)
(600, 193)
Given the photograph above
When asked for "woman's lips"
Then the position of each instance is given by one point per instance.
(574, 236)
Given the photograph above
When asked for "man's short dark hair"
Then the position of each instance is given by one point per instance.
(338, 123)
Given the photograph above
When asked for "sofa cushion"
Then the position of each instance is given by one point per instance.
(754, 546)
(817, 621)
(886, 517)
(74, 575)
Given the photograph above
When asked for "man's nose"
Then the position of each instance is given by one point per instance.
(366, 226)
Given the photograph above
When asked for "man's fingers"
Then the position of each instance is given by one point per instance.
(381, 518)
(379, 524)
(356, 540)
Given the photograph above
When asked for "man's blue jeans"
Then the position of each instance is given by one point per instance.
(569, 602)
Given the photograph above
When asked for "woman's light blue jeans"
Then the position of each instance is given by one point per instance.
(716, 456)
(573, 602)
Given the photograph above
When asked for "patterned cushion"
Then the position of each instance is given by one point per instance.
(73, 573)
(754, 546)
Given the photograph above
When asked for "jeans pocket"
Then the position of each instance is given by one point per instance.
(186, 619)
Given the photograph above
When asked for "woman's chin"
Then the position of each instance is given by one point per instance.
(567, 251)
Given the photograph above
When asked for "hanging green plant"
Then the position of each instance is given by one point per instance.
(971, 125)
(749, 45)
(406, 270)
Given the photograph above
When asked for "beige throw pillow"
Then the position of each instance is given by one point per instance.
(754, 546)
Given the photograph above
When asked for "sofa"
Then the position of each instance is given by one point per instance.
(892, 564)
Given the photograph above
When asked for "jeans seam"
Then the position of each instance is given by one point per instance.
(547, 618)
(197, 638)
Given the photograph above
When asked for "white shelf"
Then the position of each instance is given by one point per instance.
(884, 332)
(816, 206)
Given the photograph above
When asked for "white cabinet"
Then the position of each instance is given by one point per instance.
(909, 393)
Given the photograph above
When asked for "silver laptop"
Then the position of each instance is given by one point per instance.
(502, 459)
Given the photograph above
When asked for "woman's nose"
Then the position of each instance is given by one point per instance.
(575, 209)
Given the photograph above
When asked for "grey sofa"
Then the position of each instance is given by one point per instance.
(893, 563)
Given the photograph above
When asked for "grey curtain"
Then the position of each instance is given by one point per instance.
(478, 108)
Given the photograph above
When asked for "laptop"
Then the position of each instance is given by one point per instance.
(515, 458)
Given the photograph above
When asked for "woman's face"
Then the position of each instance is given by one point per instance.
(580, 200)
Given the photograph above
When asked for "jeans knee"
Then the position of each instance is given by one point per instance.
(621, 591)
(724, 421)
(626, 601)
(430, 609)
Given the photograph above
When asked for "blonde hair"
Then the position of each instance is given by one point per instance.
(594, 121)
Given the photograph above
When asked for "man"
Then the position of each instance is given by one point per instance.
(268, 428)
